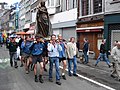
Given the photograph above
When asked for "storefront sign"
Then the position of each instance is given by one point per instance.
(90, 25)
(86, 19)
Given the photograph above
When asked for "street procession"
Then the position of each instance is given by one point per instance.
(57, 51)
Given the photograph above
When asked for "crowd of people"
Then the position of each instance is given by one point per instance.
(55, 51)
(38, 50)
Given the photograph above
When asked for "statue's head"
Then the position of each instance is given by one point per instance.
(42, 3)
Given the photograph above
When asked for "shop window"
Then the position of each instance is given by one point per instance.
(97, 4)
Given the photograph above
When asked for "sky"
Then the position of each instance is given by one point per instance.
(10, 1)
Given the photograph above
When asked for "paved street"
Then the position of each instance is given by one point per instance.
(16, 79)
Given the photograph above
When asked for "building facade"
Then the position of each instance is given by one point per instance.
(22, 15)
(27, 15)
(63, 16)
(90, 23)
(112, 22)
(5, 21)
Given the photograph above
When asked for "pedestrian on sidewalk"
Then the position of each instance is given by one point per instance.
(103, 54)
(53, 53)
(37, 50)
(86, 50)
(13, 52)
(71, 55)
(116, 56)
(62, 55)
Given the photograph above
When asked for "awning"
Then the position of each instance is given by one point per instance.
(21, 33)
(30, 31)
(91, 30)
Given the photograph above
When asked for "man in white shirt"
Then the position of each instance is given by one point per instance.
(53, 54)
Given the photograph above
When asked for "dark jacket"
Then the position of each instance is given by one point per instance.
(12, 46)
(86, 47)
(102, 48)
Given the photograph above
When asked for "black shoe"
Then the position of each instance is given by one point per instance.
(109, 66)
(95, 65)
(36, 80)
(16, 66)
(41, 79)
(75, 75)
(21, 65)
(50, 79)
(58, 82)
(63, 76)
(112, 76)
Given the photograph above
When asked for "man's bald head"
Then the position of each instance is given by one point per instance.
(118, 44)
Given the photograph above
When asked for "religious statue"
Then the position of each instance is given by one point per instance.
(43, 21)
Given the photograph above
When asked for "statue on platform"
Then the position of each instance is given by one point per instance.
(43, 22)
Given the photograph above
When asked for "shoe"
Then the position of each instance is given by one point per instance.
(112, 76)
(58, 82)
(63, 76)
(50, 79)
(75, 75)
(16, 66)
(109, 66)
(36, 80)
(21, 65)
(41, 79)
(95, 65)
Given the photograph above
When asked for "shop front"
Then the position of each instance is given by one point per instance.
(93, 31)
(112, 29)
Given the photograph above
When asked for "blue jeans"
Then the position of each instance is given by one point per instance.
(56, 61)
(104, 56)
(74, 60)
(85, 56)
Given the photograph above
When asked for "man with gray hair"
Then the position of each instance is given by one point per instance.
(116, 56)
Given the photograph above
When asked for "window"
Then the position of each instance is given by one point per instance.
(50, 2)
(97, 4)
(68, 4)
(74, 3)
(85, 7)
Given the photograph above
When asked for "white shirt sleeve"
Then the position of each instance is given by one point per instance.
(49, 47)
